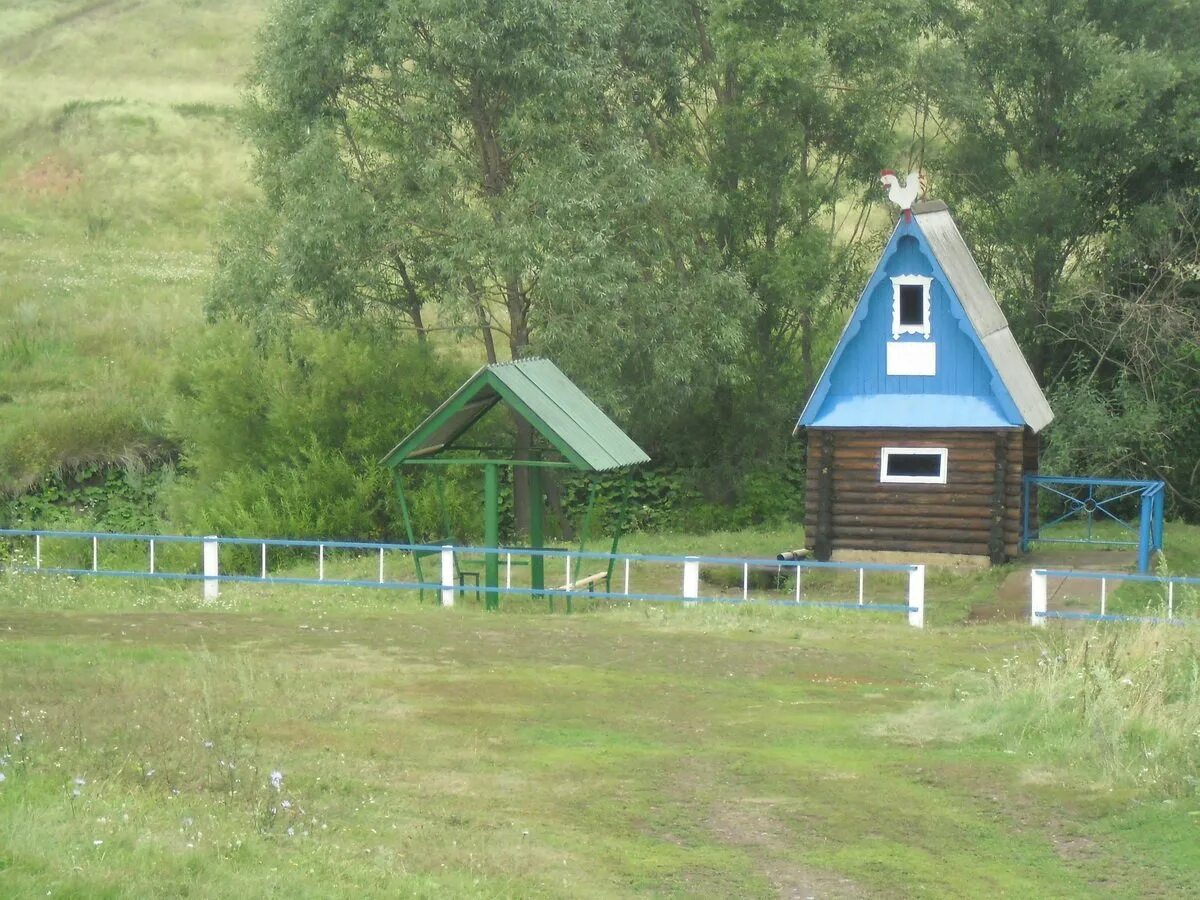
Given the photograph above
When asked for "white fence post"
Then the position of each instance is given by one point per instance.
(1037, 593)
(916, 596)
(447, 575)
(691, 580)
(212, 587)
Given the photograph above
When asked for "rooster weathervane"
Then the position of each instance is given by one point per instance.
(907, 194)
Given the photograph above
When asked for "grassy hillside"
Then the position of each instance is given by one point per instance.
(117, 152)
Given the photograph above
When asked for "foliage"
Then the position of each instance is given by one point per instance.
(1111, 434)
(111, 499)
(434, 166)
(285, 439)
(1128, 404)
(1065, 120)
(790, 111)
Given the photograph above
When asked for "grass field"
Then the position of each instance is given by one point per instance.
(117, 153)
(628, 749)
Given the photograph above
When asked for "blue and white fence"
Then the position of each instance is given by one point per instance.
(617, 579)
(1175, 610)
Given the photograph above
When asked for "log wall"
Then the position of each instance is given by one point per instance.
(976, 512)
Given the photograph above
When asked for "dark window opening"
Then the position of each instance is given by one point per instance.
(914, 465)
(912, 304)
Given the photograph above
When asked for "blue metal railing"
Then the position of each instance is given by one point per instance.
(1040, 606)
(210, 575)
(1081, 500)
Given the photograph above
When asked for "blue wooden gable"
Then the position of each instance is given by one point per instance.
(962, 385)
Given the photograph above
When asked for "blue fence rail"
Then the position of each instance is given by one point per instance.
(1087, 500)
(207, 569)
(1040, 597)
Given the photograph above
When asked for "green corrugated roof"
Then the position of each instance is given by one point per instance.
(546, 398)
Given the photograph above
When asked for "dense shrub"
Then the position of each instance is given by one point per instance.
(285, 440)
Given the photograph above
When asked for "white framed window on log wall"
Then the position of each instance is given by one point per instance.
(913, 465)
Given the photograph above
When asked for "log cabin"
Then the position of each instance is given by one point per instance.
(927, 415)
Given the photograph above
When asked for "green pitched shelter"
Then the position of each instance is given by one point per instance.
(578, 435)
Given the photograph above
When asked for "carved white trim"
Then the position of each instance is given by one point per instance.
(925, 283)
(887, 452)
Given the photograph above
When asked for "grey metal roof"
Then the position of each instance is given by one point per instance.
(985, 314)
(538, 391)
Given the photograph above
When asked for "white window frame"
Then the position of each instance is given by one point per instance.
(925, 282)
(887, 452)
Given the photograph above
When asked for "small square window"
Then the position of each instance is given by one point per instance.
(910, 305)
(913, 465)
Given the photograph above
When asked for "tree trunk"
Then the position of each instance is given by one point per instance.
(518, 323)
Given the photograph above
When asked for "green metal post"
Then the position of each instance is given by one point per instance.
(585, 527)
(408, 529)
(491, 533)
(619, 527)
(537, 564)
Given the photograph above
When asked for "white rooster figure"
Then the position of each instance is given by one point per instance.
(904, 195)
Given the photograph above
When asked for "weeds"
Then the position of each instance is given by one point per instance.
(1118, 705)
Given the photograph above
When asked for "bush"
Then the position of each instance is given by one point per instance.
(285, 441)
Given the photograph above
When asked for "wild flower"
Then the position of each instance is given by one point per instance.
(2, 777)
(277, 780)
(286, 804)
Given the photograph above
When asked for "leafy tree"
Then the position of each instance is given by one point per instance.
(1064, 119)
(789, 110)
(476, 167)
(1072, 131)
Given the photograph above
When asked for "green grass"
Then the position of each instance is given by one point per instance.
(627, 749)
(117, 153)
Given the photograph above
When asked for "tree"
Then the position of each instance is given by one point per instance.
(789, 110)
(1063, 119)
(475, 167)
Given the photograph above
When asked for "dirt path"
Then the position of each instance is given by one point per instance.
(1011, 600)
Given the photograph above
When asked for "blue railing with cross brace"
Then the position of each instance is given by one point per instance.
(1091, 501)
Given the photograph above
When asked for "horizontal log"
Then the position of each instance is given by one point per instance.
(924, 533)
(977, 501)
(976, 548)
(911, 524)
(930, 531)
(918, 516)
(973, 482)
